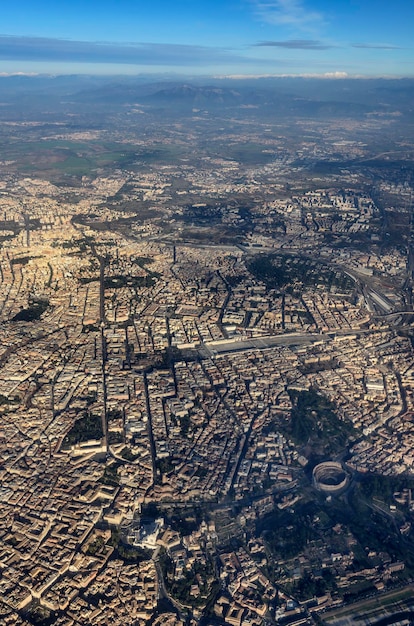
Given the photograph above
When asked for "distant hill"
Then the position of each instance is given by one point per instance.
(194, 95)
(295, 97)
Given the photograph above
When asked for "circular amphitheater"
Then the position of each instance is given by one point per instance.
(329, 477)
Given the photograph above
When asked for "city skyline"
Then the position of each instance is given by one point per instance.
(244, 37)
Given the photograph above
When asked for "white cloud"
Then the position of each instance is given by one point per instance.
(335, 75)
(5, 74)
(329, 75)
(46, 49)
(288, 13)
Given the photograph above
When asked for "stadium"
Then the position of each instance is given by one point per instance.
(329, 477)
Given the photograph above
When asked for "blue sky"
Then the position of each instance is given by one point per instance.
(200, 37)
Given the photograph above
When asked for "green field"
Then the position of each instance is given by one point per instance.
(248, 153)
(54, 158)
